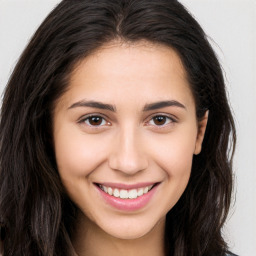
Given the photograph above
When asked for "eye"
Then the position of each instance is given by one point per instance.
(161, 120)
(94, 121)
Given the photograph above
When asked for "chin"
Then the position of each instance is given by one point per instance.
(131, 230)
(131, 234)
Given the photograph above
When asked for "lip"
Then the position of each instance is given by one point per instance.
(128, 205)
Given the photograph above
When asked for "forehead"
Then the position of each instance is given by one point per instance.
(138, 71)
(118, 58)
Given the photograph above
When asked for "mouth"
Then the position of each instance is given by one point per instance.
(127, 197)
(126, 193)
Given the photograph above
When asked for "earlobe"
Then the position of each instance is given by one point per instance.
(201, 132)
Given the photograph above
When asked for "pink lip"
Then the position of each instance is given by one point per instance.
(128, 204)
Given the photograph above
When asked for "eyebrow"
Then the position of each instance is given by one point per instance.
(163, 104)
(93, 104)
(147, 107)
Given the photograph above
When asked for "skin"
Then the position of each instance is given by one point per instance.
(128, 146)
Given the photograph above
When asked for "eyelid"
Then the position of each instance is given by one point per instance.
(169, 116)
(82, 119)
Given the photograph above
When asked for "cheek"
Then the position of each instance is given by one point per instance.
(175, 160)
(174, 152)
(177, 164)
(78, 154)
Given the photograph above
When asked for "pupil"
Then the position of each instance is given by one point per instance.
(159, 120)
(96, 120)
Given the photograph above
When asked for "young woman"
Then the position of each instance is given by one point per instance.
(116, 136)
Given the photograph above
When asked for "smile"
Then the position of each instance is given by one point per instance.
(124, 193)
(127, 197)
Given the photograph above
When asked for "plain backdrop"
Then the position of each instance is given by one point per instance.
(231, 27)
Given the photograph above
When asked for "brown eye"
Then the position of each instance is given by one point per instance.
(159, 120)
(95, 121)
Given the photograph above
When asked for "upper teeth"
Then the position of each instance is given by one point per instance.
(125, 194)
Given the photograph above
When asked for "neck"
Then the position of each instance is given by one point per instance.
(89, 239)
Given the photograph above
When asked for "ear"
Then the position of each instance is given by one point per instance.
(200, 134)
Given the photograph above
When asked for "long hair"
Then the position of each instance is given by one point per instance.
(36, 215)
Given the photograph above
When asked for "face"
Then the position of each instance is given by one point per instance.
(125, 133)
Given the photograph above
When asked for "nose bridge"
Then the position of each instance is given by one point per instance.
(128, 154)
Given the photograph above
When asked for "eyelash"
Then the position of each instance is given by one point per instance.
(171, 119)
(84, 119)
(167, 118)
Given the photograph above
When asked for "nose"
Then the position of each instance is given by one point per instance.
(127, 154)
